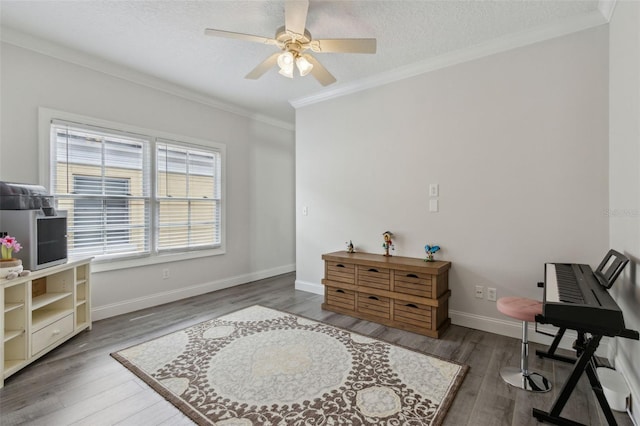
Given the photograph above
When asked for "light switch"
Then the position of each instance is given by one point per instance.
(305, 211)
(433, 205)
(433, 190)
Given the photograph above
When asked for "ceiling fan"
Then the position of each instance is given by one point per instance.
(293, 40)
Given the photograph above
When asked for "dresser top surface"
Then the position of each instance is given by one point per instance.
(34, 275)
(391, 262)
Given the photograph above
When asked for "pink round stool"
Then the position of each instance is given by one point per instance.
(525, 310)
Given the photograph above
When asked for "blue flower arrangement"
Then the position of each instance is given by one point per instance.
(430, 250)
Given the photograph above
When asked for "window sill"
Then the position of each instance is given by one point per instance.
(106, 265)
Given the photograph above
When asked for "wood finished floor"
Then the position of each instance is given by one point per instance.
(80, 384)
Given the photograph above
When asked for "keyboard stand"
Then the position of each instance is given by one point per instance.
(551, 353)
(585, 362)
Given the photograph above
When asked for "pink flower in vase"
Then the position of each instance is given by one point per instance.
(9, 245)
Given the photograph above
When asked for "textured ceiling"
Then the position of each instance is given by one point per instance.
(166, 39)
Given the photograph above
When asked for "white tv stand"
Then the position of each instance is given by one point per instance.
(42, 311)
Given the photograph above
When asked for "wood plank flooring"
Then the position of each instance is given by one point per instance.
(80, 384)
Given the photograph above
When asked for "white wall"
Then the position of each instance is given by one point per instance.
(624, 134)
(517, 142)
(260, 171)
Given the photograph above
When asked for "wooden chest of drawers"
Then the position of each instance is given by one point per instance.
(400, 292)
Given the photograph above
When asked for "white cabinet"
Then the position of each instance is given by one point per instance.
(42, 311)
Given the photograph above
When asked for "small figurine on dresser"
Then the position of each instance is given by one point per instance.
(387, 244)
(350, 248)
(430, 250)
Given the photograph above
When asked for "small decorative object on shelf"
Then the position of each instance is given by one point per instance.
(9, 267)
(9, 244)
(350, 248)
(387, 244)
(430, 250)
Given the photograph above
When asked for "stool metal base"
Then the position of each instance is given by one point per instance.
(533, 382)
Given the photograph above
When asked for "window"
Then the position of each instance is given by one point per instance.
(188, 197)
(135, 193)
(102, 179)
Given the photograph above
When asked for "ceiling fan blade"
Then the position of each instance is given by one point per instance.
(344, 45)
(239, 36)
(295, 16)
(263, 67)
(319, 72)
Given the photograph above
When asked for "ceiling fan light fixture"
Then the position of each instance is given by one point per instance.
(293, 40)
(304, 66)
(285, 60)
(287, 71)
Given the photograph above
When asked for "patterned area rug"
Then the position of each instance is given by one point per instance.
(262, 366)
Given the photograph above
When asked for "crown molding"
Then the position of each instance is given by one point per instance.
(502, 44)
(76, 57)
(606, 8)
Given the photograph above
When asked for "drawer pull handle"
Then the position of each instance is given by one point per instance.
(339, 291)
(373, 298)
(340, 265)
(373, 270)
(55, 332)
(412, 276)
(411, 305)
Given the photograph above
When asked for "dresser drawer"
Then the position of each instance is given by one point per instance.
(374, 277)
(414, 283)
(341, 272)
(51, 334)
(413, 313)
(341, 298)
(374, 305)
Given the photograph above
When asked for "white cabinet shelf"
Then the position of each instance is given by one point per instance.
(8, 307)
(10, 334)
(41, 312)
(47, 299)
(12, 365)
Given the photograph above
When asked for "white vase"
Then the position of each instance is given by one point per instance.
(8, 266)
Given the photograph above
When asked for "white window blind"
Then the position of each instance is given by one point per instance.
(102, 178)
(188, 196)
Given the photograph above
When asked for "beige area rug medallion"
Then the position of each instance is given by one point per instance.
(262, 366)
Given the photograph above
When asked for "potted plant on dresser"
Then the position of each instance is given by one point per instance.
(8, 264)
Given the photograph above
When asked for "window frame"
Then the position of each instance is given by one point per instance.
(47, 115)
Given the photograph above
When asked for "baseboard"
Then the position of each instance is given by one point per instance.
(119, 308)
(494, 325)
(510, 328)
(309, 287)
(623, 367)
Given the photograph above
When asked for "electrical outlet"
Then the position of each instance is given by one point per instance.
(433, 190)
(165, 273)
(491, 294)
(479, 292)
